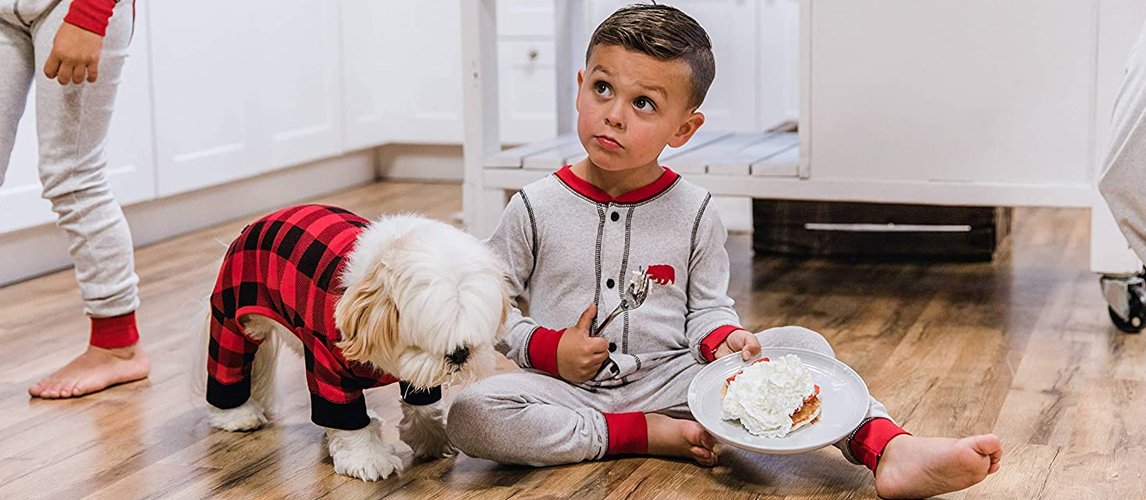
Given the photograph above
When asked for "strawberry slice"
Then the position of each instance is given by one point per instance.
(809, 398)
(761, 359)
(730, 379)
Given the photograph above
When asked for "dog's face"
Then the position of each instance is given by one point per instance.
(425, 305)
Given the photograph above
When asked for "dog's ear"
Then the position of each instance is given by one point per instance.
(506, 306)
(367, 317)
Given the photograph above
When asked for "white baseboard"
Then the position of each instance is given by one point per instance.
(420, 162)
(43, 249)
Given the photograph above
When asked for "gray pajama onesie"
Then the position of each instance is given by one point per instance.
(566, 244)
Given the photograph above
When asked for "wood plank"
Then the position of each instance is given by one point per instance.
(513, 157)
(554, 158)
(785, 163)
(721, 154)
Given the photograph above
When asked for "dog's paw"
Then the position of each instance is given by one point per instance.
(362, 453)
(423, 429)
(434, 447)
(248, 417)
(372, 464)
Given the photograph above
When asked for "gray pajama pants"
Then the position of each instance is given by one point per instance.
(529, 417)
(1123, 184)
(72, 125)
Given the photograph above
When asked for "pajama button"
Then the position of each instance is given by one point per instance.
(612, 347)
(610, 283)
(616, 216)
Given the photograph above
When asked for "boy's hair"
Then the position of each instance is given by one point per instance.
(664, 33)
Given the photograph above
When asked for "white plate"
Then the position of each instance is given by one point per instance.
(843, 399)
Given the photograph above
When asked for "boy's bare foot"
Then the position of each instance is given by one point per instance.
(670, 437)
(94, 370)
(915, 467)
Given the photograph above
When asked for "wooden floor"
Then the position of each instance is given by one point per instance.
(1021, 347)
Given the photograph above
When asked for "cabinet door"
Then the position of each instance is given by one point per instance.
(778, 52)
(297, 87)
(130, 168)
(993, 92)
(203, 67)
(402, 72)
(731, 25)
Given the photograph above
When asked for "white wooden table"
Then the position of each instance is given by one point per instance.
(898, 105)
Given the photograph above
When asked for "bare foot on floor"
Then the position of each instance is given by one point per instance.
(670, 437)
(915, 467)
(94, 370)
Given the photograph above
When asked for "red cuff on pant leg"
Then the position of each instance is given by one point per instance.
(628, 433)
(543, 350)
(868, 443)
(114, 332)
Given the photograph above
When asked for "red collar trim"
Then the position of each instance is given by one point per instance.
(584, 188)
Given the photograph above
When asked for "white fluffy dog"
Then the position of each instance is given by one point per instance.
(423, 302)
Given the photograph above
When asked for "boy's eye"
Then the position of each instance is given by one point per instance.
(644, 104)
(603, 89)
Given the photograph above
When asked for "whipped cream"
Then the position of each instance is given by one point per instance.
(765, 395)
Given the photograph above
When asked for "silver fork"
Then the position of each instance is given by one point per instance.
(635, 294)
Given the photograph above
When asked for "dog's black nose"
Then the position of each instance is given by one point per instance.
(459, 356)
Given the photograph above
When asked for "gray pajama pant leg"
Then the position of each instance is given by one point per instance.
(530, 418)
(1123, 183)
(72, 127)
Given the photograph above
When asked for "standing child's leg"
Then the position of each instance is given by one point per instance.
(17, 60)
(905, 466)
(72, 126)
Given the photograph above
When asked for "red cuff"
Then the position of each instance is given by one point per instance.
(868, 443)
(115, 332)
(91, 15)
(713, 340)
(628, 433)
(543, 350)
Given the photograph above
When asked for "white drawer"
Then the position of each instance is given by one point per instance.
(518, 18)
(527, 90)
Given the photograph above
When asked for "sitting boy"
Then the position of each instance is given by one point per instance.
(573, 238)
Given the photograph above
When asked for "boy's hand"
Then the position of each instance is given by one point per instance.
(579, 356)
(740, 340)
(75, 54)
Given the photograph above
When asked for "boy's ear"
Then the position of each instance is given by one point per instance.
(580, 80)
(686, 129)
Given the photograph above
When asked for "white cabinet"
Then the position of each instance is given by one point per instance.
(298, 88)
(204, 122)
(778, 66)
(130, 156)
(527, 70)
(402, 73)
(243, 93)
(527, 86)
(909, 91)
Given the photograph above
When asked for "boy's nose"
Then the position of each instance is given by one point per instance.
(615, 117)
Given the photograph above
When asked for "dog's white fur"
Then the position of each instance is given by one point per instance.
(417, 290)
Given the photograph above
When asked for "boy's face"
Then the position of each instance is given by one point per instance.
(630, 105)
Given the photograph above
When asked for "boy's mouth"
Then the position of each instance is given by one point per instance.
(607, 142)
